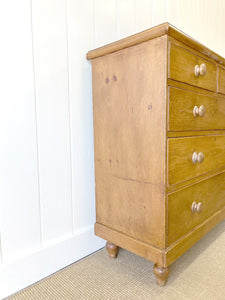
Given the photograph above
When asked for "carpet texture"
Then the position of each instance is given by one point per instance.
(198, 274)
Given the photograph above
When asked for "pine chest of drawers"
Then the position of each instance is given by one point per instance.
(159, 140)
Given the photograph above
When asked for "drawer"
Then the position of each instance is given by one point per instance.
(209, 197)
(181, 152)
(193, 111)
(182, 68)
(221, 80)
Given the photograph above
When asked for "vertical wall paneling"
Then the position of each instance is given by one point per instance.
(51, 82)
(126, 18)
(219, 28)
(47, 196)
(19, 200)
(143, 14)
(173, 11)
(0, 248)
(80, 40)
(217, 14)
(188, 17)
(159, 8)
(206, 34)
(211, 31)
(0, 207)
(105, 22)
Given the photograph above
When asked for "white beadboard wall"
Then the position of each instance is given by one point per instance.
(47, 207)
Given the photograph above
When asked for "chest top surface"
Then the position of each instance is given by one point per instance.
(154, 32)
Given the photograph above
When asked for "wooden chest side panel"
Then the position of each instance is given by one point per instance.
(129, 98)
(131, 207)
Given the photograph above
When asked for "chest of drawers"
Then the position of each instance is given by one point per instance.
(159, 142)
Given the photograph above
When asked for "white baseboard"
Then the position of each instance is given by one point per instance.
(19, 274)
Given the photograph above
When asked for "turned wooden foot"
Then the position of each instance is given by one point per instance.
(161, 274)
(112, 249)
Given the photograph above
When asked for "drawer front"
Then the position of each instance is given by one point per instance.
(193, 111)
(221, 80)
(191, 206)
(185, 159)
(182, 68)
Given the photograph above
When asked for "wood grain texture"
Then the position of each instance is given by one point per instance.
(185, 86)
(194, 133)
(184, 243)
(189, 182)
(152, 33)
(161, 274)
(210, 193)
(190, 42)
(129, 115)
(221, 80)
(19, 172)
(129, 41)
(138, 247)
(148, 192)
(181, 68)
(180, 165)
(112, 249)
(181, 104)
(191, 50)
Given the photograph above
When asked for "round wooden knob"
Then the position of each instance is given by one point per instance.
(196, 207)
(197, 70)
(200, 70)
(199, 111)
(200, 157)
(197, 157)
(203, 69)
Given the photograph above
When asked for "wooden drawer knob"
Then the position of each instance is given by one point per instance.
(197, 157)
(199, 111)
(196, 207)
(200, 70)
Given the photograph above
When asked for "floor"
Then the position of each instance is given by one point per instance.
(198, 274)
